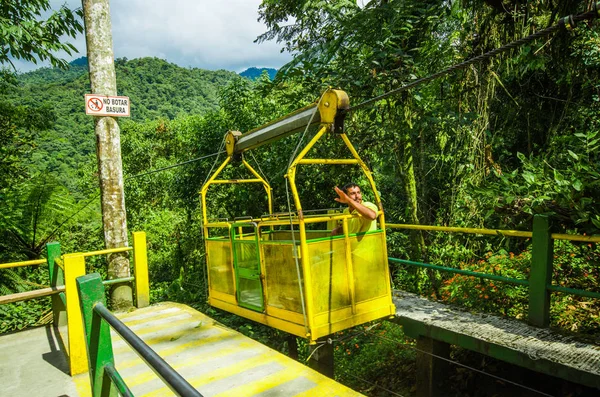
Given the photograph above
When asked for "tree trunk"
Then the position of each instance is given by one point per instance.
(98, 33)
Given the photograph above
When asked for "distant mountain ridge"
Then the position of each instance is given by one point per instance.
(79, 62)
(157, 90)
(254, 73)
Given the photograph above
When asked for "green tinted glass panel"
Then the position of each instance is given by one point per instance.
(246, 264)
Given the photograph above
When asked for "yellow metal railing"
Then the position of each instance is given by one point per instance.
(466, 230)
(23, 263)
(72, 266)
(494, 232)
(38, 293)
(539, 281)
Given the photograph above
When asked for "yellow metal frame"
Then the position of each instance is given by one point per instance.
(74, 266)
(214, 181)
(23, 263)
(330, 103)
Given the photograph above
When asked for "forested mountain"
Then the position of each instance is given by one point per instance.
(156, 88)
(254, 73)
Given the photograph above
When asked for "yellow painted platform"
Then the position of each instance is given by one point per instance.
(216, 360)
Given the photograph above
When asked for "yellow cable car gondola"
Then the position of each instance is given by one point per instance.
(276, 271)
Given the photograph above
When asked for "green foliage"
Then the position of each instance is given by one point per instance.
(575, 266)
(488, 295)
(366, 355)
(23, 315)
(24, 34)
(563, 183)
(34, 214)
(19, 127)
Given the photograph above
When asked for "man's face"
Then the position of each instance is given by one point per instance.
(354, 193)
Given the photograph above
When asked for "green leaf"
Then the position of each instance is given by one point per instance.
(529, 177)
(558, 177)
(576, 157)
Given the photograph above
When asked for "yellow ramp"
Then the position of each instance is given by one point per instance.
(216, 360)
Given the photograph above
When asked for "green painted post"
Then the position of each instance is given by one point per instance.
(97, 335)
(541, 272)
(56, 279)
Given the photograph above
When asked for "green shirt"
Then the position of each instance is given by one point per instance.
(362, 224)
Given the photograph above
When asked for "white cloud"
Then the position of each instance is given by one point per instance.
(208, 34)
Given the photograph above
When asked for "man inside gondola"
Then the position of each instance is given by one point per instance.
(351, 195)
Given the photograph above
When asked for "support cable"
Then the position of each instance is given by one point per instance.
(373, 384)
(90, 201)
(405, 345)
(258, 166)
(568, 22)
(175, 165)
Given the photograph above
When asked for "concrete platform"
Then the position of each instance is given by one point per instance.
(216, 360)
(33, 363)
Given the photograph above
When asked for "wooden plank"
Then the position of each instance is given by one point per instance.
(23, 296)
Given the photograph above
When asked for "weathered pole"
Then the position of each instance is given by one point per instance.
(98, 34)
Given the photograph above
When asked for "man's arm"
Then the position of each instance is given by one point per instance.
(361, 209)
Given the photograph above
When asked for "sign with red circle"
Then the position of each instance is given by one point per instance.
(103, 105)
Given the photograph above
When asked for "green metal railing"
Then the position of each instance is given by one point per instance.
(104, 377)
(539, 282)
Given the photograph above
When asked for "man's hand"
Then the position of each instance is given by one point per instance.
(343, 197)
(354, 205)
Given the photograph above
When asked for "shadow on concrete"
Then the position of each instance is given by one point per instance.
(57, 356)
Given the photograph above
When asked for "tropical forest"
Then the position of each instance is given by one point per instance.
(490, 145)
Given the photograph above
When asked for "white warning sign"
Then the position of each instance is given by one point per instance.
(102, 105)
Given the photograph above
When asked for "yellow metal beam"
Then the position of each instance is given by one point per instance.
(23, 263)
(233, 181)
(75, 267)
(329, 161)
(291, 328)
(495, 232)
(204, 189)
(574, 237)
(103, 252)
(140, 269)
(266, 185)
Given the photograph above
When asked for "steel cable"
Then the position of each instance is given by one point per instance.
(404, 345)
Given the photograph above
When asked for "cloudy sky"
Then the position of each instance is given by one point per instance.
(207, 34)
